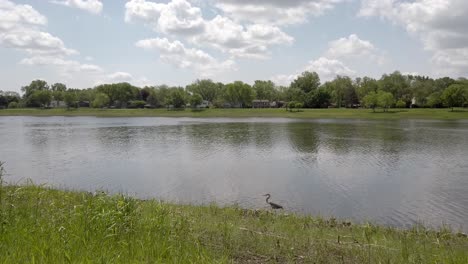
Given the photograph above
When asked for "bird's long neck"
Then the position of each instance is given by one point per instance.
(268, 198)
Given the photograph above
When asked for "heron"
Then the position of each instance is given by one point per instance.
(273, 205)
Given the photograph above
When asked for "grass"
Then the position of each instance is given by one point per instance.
(43, 225)
(306, 113)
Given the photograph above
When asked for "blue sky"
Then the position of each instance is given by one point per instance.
(84, 43)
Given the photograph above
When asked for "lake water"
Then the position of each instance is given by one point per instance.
(389, 172)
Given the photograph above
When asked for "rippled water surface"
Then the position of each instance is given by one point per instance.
(390, 172)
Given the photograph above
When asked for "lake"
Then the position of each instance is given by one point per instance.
(397, 173)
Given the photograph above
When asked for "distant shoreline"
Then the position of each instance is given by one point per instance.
(420, 113)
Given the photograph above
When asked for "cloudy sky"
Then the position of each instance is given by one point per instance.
(86, 42)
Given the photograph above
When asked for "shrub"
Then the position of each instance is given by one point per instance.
(137, 104)
(400, 104)
(13, 105)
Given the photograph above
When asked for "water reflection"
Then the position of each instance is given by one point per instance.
(392, 172)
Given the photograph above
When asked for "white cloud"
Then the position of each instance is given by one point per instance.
(34, 42)
(177, 54)
(12, 15)
(326, 68)
(355, 48)
(92, 6)
(440, 24)
(119, 77)
(176, 17)
(19, 29)
(180, 18)
(277, 12)
(64, 65)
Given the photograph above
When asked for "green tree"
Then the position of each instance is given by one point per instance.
(342, 91)
(454, 95)
(400, 104)
(177, 98)
(36, 85)
(196, 100)
(364, 86)
(60, 87)
(8, 97)
(291, 105)
(71, 99)
(306, 82)
(100, 100)
(434, 99)
(29, 90)
(265, 90)
(299, 105)
(42, 97)
(239, 93)
(294, 94)
(319, 98)
(13, 105)
(371, 100)
(396, 84)
(385, 100)
(207, 89)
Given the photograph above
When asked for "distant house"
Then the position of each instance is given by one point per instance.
(204, 104)
(83, 104)
(56, 104)
(234, 105)
(260, 104)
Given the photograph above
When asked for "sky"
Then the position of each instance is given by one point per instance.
(83, 43)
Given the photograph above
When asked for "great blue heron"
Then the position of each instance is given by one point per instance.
(273, 205)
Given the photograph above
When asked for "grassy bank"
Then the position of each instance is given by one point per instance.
(43, 225)
(306, 113)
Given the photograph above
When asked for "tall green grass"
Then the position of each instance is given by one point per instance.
(43, 225)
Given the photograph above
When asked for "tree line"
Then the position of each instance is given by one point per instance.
(391, 90)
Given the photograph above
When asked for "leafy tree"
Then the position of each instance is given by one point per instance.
(443, 83)
(239, 93)
(385, 100)
(371, 100)
(42, 97)
(342, 91)
(319, 98)
(8, 97)
(13, 105)
(306, 82)
(177, 98)
(364, 86)
(124, 92)
(29, 90)
(71, 99)
(265, 90)
(100, 100)
(396, 84)
(454, 95)
(207, 89)
(299, 105)
(58, 87)
(294, 94)
(36, 85)
(422, 88)
(291, 106)
(145, 93)
(196, 100)
(434, 100)
(400, 104)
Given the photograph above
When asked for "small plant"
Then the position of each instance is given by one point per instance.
(13, 105)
